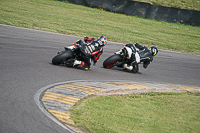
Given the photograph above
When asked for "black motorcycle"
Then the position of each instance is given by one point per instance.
(68, 56)
(118, 60)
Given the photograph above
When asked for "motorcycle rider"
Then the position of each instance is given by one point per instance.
(96, 48)
(138, 54)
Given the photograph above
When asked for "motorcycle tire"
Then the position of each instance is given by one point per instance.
(111, 61)
(60, 58)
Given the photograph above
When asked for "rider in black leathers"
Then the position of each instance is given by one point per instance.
(141, 54)
(95, 46)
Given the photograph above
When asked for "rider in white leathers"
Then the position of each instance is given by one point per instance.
(137, 54)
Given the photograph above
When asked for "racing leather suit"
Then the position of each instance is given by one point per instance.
(135, 56)
(95, 49)
(145, 55)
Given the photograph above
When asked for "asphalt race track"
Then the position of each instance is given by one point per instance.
(25, 67)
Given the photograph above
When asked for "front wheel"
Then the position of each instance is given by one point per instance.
(112, 61)
(60, 58)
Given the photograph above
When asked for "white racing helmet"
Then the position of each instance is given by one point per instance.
(103, 40)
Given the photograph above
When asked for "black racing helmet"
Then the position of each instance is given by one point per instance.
(153, 50)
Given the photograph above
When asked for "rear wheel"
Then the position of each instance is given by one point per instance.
(60, 58)
(112, 61)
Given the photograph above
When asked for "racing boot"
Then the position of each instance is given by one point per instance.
(127, 67)
(81, 63)
(135, 68)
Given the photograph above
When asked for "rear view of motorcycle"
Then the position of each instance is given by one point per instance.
(120, 60)
(130, 56)
(68, 56)
(63, 57)
(114, 60)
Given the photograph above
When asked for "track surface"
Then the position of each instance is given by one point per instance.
(25, 67)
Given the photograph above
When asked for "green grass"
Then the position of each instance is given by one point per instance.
(67, 18)
(183, 4)
(145, 113)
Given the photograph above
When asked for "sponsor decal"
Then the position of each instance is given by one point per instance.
(90, 48)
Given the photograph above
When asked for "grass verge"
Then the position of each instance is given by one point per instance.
(67, 18)
(151, 112)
